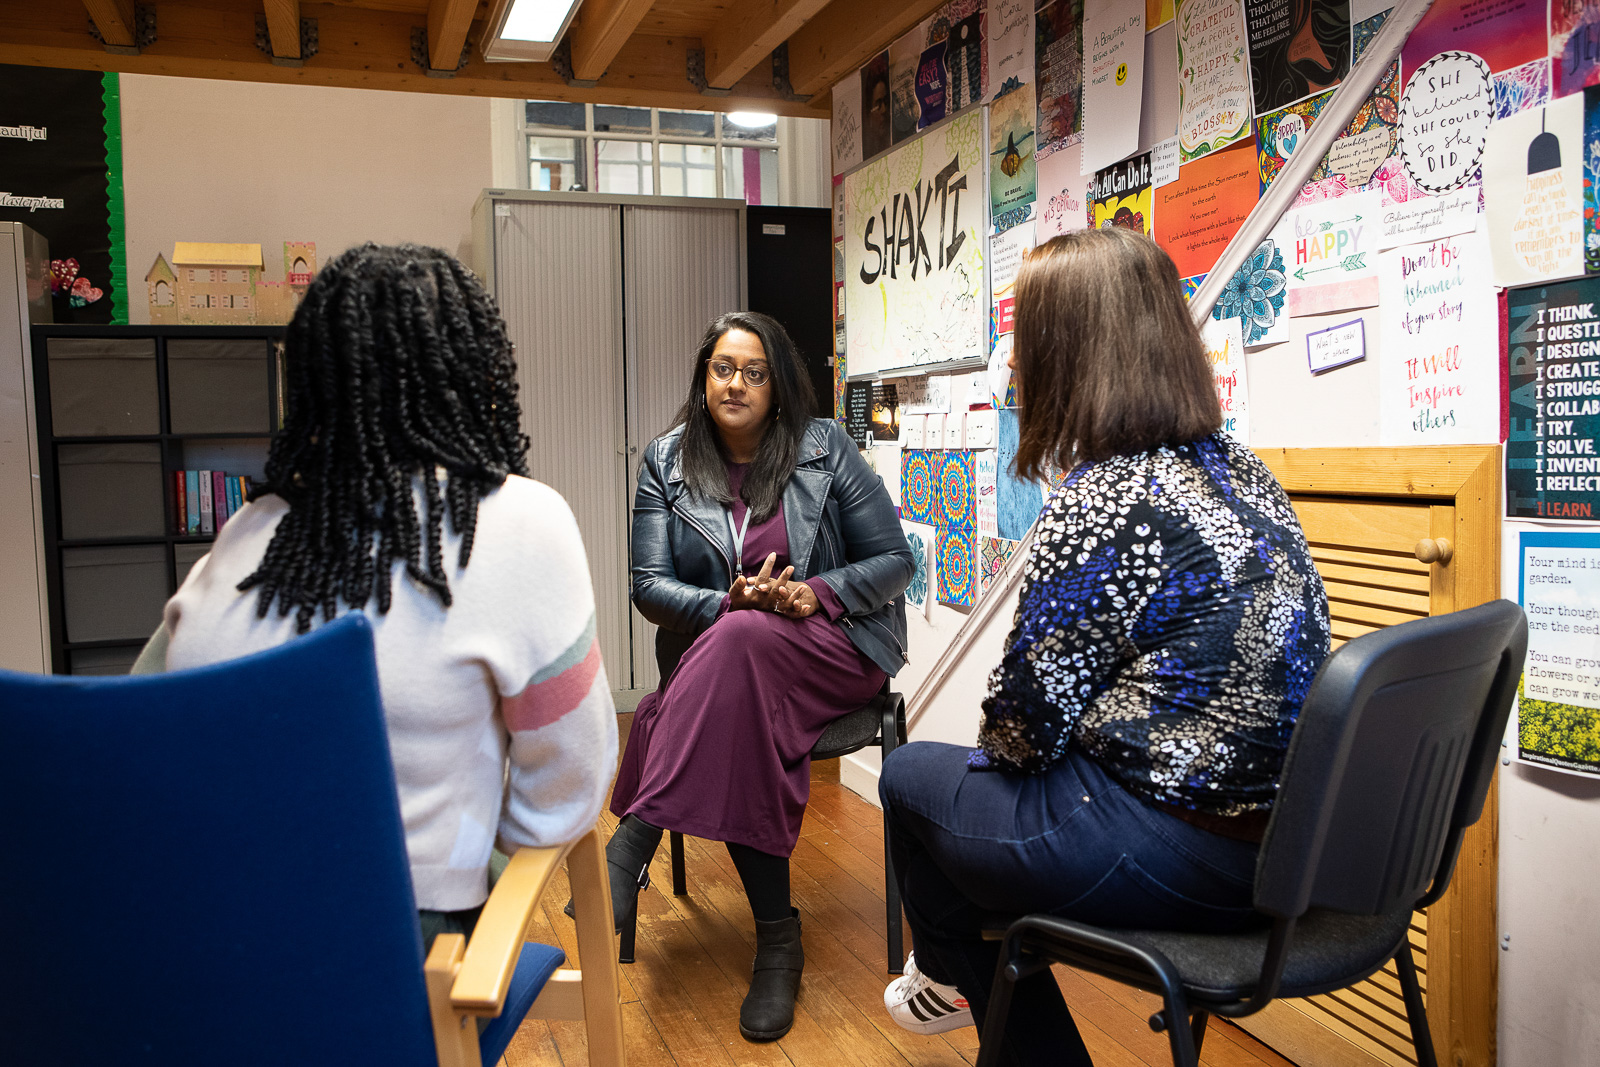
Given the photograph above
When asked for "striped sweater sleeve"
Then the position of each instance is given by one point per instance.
(562, 723)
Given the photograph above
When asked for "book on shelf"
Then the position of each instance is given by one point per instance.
(180, 506)
(207, 517)
(191, 514)
(219, 498)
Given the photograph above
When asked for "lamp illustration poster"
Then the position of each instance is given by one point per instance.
(1533, 190)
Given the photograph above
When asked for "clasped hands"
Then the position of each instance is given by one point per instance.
(763, 592)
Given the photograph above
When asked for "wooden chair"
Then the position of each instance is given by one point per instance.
(1389, 764)
(881, 721)
(209, 866)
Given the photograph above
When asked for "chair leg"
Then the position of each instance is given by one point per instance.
(1197, 1026)
(680, 888)
(1416, 1014)
(992, 1033)
(890, 736)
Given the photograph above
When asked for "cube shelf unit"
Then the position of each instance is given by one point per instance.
(120, 408)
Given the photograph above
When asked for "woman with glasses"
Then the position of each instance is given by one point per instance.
(771, 558)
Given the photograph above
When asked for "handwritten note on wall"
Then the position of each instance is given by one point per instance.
(1444, 120)
(1011, 29)
(1213, 76)
(1113, 80)
(1224, 344)
(1438, 371)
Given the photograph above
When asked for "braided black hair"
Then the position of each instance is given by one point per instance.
(397, 364)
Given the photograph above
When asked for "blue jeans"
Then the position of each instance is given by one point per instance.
(972, 845)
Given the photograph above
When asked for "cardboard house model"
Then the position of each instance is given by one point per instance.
(216, 284)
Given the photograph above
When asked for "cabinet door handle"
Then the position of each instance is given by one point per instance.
(1434, 550)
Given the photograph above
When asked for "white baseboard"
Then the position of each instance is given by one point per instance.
(861, 776)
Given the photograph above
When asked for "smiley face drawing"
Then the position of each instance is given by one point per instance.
(1122, 73)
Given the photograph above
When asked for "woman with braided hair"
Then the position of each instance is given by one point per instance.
(398, 488)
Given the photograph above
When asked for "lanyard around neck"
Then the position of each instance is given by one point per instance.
(738, 537)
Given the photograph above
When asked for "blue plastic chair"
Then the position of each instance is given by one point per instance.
(209, 866)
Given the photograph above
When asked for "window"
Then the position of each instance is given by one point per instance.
(555, 162)
(163, 294)
(611, 149)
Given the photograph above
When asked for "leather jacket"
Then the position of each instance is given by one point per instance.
(842, 530)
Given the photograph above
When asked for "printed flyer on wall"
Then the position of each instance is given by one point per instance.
(1558, 702)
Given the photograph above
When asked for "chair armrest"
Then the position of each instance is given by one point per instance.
(491, 957)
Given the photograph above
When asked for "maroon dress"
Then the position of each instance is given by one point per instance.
(722, 750)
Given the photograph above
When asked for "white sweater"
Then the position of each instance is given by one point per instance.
(511, 670)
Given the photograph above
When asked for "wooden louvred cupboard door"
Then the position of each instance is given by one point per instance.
(1398, 534)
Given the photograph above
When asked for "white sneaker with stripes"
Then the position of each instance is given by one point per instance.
(923, 1006)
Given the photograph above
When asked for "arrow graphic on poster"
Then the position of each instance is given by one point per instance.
(1355, 262)
(1339, 222)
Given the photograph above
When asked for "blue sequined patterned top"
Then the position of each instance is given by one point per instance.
(1169, 625)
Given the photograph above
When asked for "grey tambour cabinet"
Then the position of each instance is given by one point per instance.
(24, 603)
(606, 298)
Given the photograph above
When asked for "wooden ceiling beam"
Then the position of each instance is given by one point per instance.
(845, 35)
(283, 27)
(364, 49)
(749, 32)
(114, 20)
(448, 22)
(601, 30)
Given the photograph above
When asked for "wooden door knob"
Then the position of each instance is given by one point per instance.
(1434, 550)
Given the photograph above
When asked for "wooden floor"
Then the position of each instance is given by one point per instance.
(681, 999)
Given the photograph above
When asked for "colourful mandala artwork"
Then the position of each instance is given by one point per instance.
(917, 591)
(993, 554)
(953, 546)
(917, 499)
(956, 490)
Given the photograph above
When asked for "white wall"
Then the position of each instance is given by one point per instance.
(264, 164)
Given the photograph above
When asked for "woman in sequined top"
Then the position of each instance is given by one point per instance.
(1169, 626)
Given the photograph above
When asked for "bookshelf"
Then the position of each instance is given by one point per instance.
(120, 409)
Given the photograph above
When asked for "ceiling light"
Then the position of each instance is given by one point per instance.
(524, 30)
(751, 120)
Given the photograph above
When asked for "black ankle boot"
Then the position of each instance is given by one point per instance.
(768, 1009)
(628, 856)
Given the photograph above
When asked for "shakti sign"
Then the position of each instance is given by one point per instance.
(915, 291)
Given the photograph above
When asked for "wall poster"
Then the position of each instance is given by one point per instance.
(1438, 371)
(1213, 76)
(1121, 195)
(1224, 344)
(1113, 81)
(61, 174)
(1533, 190)
(1198, 214)
(1013, 175)
(1063, 204)
(1553, 373)
(1558, 701)
(1296, 48)
(1444, 120)
(915, 291)
(1058, 55)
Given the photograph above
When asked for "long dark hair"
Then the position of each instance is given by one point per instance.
(397, 364)
(701, 452)
(1108, 360)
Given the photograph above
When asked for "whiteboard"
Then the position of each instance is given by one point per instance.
(916, 224)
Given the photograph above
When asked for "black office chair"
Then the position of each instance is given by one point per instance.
(881, 721)
(1389, 764)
